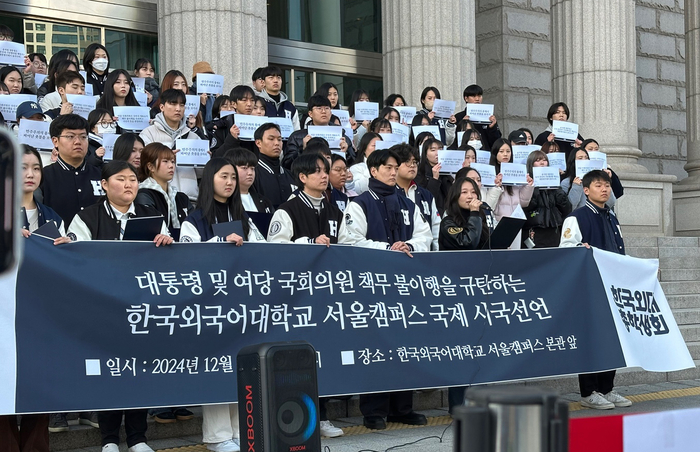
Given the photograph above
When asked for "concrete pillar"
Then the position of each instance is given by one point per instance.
(230, 34)
(686, 194)
(594, 72)
(428, 43)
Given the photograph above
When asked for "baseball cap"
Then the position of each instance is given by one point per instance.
(28, 109)
(517, 136)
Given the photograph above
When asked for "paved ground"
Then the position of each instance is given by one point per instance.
(437, 437)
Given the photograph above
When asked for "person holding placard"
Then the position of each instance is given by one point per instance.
(143, 68)
(68, 82)
(390, 114)
(52, 72)
(118, 92)
(511, 196)
(447, 125)
(156, 189)
(617, 189)
(176, 80)
(421, 197)
(128, 148)
(271, 179)
(99, 123)
(547, 209)
(222, 131)
(245, 163)
(596, 225)
(278, 104)
(359, 128)
(330, 91)
(474, 94)
(359, 171)
(206, 101)
(528, 134)
(429, 176)
(320, 114)
(168, 126)
(559, 111)
(96, 64)
(571, 183)
(53, 99)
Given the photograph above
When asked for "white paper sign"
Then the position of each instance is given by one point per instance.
(248, 124)
(381, 144)
(565, 131)
(480, 113)
(84, 74)
(366, 111)
(108, 140)
(520, 153)
(142, 98)
(132, 118)
(35, 133)
(599, 158)
(210, 84)
(407, 113)
(393, 138)
(450, 160)
(332, 134)
(192, 152)
(434, 130)
(82, 105)
(545, 177)
(583, 167)
(483, 157)
(514, 174)
(39, 79)
(89, 90)
(12, 53)
(192, 105)
(139, 84)
(487, 172)
(224, 113)
(400, 129)
(344, 117)
(557, 160)
(444, 108)
(286, 126)
(10, 102)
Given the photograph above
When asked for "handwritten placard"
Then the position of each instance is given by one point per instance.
(480, 113)
(82, 105)
(12, 53)
(402, 130)
(332, 134)
(407, 113)
(344, 117)
(483, 157)
(210, 84)
(557, 160)
(139, 84)
(444, 108)
(434, 130)
(520, 153)
(487, 172)
(10, 102)
(192, 152)
(514, 174)
(142, 98)
(583, 167)
(565, 131)
(366, 111)
(191, 105)
(600, 158)
(450, 160)
(132, 118)
(108, 140)
(545, 177)
(35, 133)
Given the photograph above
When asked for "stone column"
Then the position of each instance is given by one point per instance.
(594, 72)
(428, 43)
(230, 34)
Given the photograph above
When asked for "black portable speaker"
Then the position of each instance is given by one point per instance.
(278, 397)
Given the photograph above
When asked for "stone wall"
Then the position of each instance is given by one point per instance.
(661, 86)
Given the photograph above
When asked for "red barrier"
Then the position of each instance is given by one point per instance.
(596, 434)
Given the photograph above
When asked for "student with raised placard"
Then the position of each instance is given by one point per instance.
(68, 82)
(177, 80)
(558, 111)
(223, 132)
(157, 190)
(99, 123)
(474, 94)
(447, 126)
(572, 185)
(617, 189)
(117, 92)
(49, 85)
(206, 101)
(53, 99)
(429, 176)
(362, 127)
(278, 104)
(143, 68)
(547, 209)
(511, 197)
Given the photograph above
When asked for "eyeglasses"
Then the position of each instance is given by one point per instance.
(105, 123)
(322, 109)
(39, 65)
(411, 163)
(340, 170)
(73, 137)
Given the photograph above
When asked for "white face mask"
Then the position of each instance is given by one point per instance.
(100, 64)
(106, 128)
(476, 144)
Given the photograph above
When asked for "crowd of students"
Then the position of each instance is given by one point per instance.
(294, 190)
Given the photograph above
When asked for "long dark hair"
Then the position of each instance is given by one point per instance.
(107, 99)
(53, 70)
(459, 215)
(416, 121)
(355, 98)
(494, 158)
(30, 150)
(124, 146)
(205, 199)
(362, 146)
(570, 172)
(7, 70)
(89, 56)
(323, 91)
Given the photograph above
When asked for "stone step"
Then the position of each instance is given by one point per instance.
(694, 349)
(642, 252)
(671, 257)
(683, 301)
(687, 316)
(680, 287)
(662, 242)
(690, 333)
(679, 274)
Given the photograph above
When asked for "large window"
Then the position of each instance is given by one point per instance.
(353, 24)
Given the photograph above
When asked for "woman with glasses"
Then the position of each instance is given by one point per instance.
(99, 123)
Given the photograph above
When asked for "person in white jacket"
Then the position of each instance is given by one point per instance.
(360, 172)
